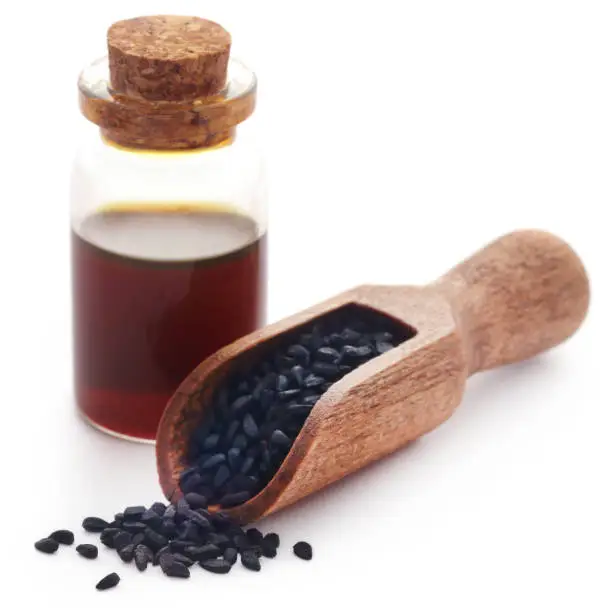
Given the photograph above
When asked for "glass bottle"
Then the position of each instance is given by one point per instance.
(168, 218)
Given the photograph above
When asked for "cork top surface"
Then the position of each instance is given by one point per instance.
(168, 37)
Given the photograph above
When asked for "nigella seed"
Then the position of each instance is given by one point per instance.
(231, 432)
(159, 508)
(127, 553)
(196, 501)
(279, 438)
(134, 513)
(310, 399)
(221, 476)
(350, 336)
(230, 555)
(160, 554)
(203, 552)
(213, 461)
(356, 352)
(170, 512)
(250, 426)
(234, 459)
(87, 551)
(63, 537)
(46, 545)
(240, 442)
(95, 524)
(108, 582)
(199, 519)
(233, 500)
(326, 370)
(328, 354)
(210, 443)
(272, 539)
(154, 540)
(143, 556)
(151, 519)
(121, 540)
(312, 381)
(220, 540)
(301, 353)
(300, 408)
(218, 566)
(298, 374)
(138, 538)
(282, 383)
(175, 569)
(167, 529)
(183, 559)
(241, 404)
(182, 507)
(107, 537)
(134, 526)
(303, 550)
(254, 535)
(250, 561)
(383, 347)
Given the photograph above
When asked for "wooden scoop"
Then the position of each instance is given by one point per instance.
(517, 297)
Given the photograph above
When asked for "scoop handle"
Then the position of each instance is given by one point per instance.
(522, 294)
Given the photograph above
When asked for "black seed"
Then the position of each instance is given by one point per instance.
(119, 517)
(300, 353)
(165, 560)
(230, 555)
(175, 569)
(134, 513)
(87, 551)
(210, 443)
(127, 553)
(218, 566)
(192, 484)
(142, 557)
(154, 540)
(298, 374)
(183, 559)
(350, 336)
(232, 500)
(95, 524)
(327, 354)
(179, 546)
(303, 550)
(250, 561)
(134, 526)
(63, 537)
(160, 554)
(221, 476)
(182, 507)
(282, 383)
(247, 464)
(220, 540)
(151, 519)
(326, 370)
(46, 545)
(168, 529)
(250, 427)
(196, 501)
(241, 404)
(353, 353)
(138, 538)
(121, 539)
(191, 532)
(300, 409)
(170, 512)
(383, 336)
(213, 461)
(312, 381)
(267, 398)
(203, 552)
(279, 438)
(310, 399)
(268, 551)
(232, 429)
(108, 582)
(234, 459)
(254, 535)
(199, 519)
(272, 539)
(108, 536)
(383, 347)
(240, 442)
(158, 507)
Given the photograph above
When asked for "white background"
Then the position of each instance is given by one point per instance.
(400, 137)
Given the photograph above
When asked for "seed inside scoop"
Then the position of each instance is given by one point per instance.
(257, 414)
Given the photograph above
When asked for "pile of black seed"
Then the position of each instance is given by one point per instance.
(174, 537)
(257, 415)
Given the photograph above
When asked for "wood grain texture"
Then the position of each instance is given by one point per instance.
(519, 296)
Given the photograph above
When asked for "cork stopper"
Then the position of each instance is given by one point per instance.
(168, 57)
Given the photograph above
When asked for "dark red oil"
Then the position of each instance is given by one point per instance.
(156, 290)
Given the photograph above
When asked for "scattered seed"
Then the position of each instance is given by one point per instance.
(303, 550)
(108, 582)
(250, 561)
(230, 555)
(63, 537)
(46, 545)
(95, 524)
(87, 551)
(175, 569)
(218, 566)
